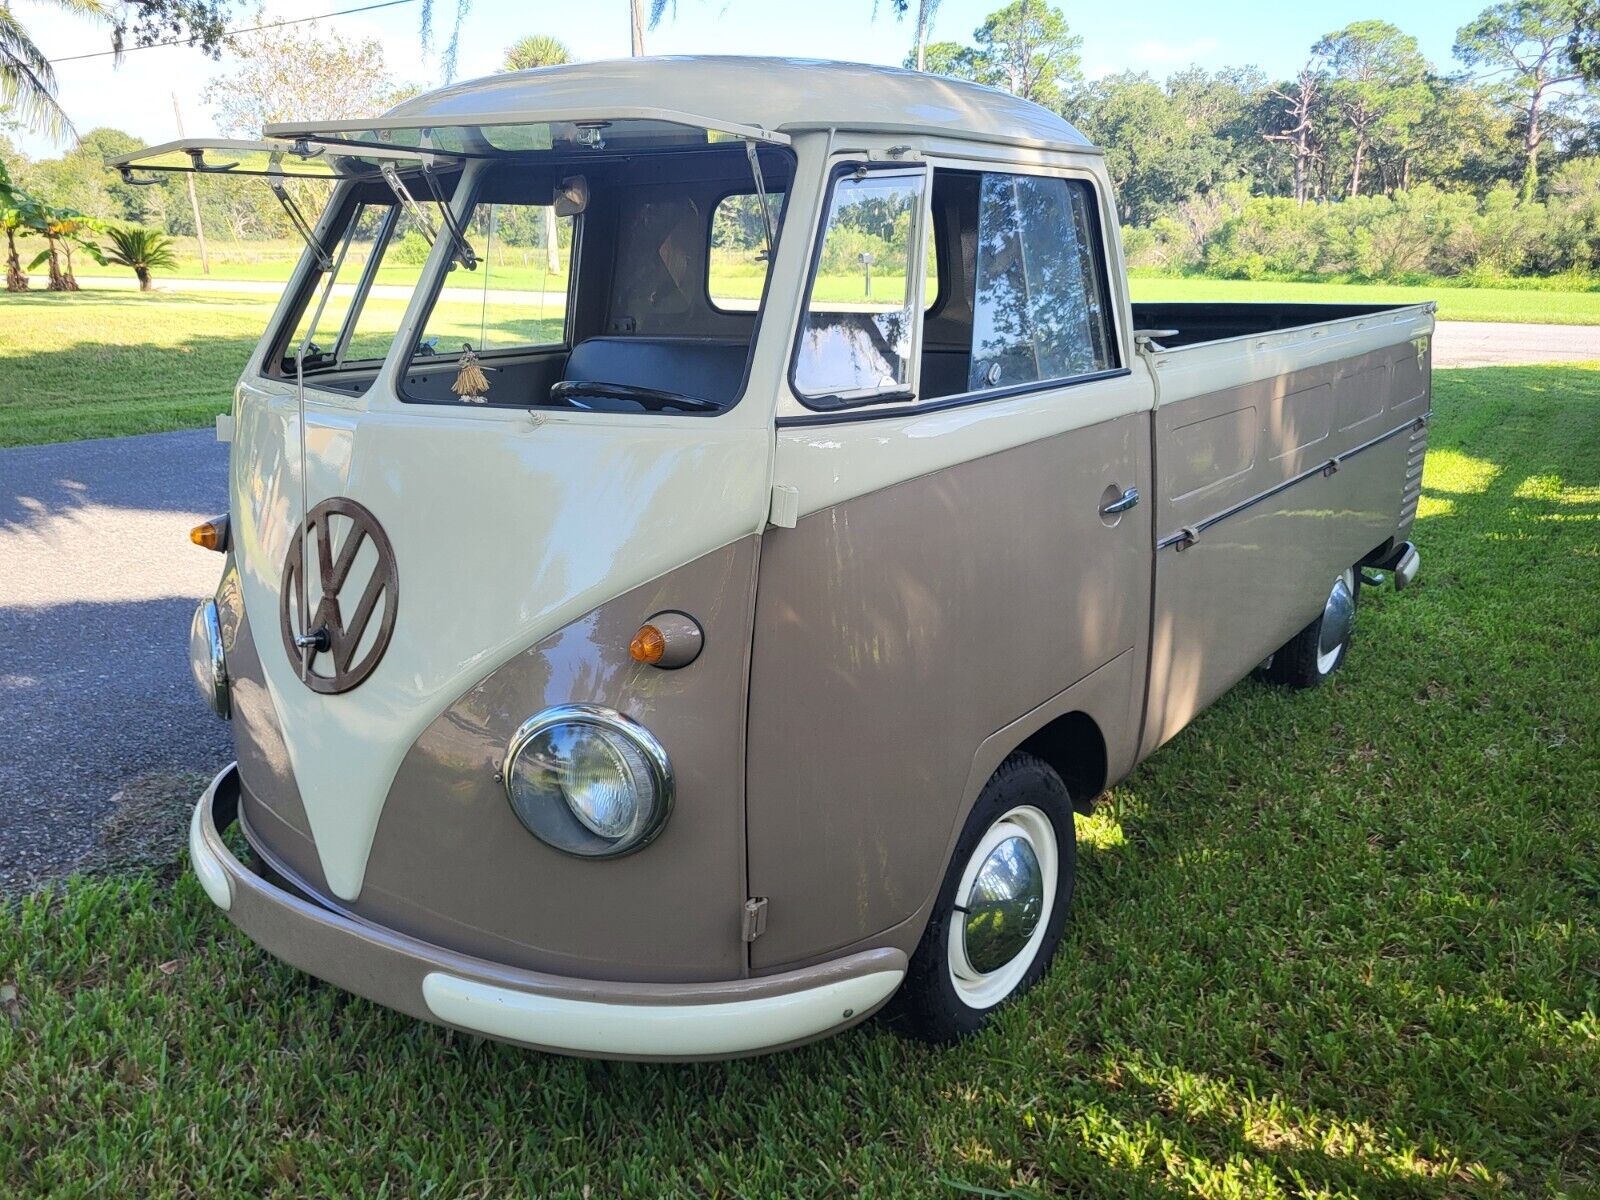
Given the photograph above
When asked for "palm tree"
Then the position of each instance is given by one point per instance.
(541, 50)
(61, 229)
(11, 221)
(27, 81)
(536, 50)
(144, 250)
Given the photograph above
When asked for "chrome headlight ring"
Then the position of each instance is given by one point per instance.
(207, 659)
(538, 768)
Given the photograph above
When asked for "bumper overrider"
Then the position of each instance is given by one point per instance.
(598, 1018)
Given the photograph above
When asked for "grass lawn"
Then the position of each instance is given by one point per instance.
(1340, 943)
(1524, 305)
(101, 364)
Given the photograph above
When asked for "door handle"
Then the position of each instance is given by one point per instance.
(1121, 504)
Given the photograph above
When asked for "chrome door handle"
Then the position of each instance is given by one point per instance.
(1121, 504)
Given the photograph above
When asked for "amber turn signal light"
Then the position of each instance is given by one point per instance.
(212, 534)
(648, 646)
(668, 640)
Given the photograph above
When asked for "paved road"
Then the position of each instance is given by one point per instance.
(98, 580)
(1498, 343)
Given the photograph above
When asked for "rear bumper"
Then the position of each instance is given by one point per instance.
(599, 1018)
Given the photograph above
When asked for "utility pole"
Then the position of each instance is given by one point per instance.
(637, 7)
(194, 200)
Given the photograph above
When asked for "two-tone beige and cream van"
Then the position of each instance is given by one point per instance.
(700, 527)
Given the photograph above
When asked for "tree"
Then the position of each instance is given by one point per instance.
(14, 226)
(1378, 84)
(28, 82)
(536, 50)
(541, 50)
(1028, 46)
(951, 59)
(141, 250)
(61, 229)
(1584, 45)
(1299, 99)
(926, 11)
(1526, 44)
(299, 73)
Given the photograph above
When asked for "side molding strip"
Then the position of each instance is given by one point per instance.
(1190, 534)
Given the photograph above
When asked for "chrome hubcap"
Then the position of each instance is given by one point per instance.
(1338, 619)
(1004, 906)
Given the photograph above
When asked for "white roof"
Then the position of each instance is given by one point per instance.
(776, 95)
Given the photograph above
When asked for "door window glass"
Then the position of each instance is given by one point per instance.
(1039, 309)
(857, 334)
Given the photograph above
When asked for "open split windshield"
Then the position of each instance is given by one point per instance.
(612, 262)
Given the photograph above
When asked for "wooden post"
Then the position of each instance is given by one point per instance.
(194, 200)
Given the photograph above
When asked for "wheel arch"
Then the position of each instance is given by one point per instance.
(1074, 746)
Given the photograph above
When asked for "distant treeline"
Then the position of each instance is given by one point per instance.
(1371, 162)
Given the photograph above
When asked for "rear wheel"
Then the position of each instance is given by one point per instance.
(1319, 649)
(1002, 906)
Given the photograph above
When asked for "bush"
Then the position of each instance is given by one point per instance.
(1426, 231)
(411, 250)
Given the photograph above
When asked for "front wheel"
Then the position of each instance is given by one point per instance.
(1002, 906)
(1319, 649)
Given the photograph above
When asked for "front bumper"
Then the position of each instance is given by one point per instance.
(599, 1018)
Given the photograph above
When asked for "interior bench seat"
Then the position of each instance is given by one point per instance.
(706, 368)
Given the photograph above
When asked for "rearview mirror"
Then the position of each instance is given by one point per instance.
(572, 196)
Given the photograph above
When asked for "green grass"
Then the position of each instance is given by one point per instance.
(1518, 304)
(1340, 943)
(101, 364)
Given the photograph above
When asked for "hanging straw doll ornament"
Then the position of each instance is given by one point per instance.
(471, 384)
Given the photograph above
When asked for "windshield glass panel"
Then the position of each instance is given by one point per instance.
(378, 260)
(518, 295)
(598, 286)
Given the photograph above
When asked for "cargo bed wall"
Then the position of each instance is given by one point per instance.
(1198, 323)
(1268, 487)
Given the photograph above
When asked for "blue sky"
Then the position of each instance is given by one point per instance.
(1155, 35)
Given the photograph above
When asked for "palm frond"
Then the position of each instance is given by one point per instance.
(27, 81)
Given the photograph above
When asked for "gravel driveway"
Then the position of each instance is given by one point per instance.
(98, 580)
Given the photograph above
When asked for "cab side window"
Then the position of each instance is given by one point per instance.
(1039, 311)
(1029, 303)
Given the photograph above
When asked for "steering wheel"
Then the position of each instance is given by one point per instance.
(649, 399)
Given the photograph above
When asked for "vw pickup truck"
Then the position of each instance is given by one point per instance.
(700, 527)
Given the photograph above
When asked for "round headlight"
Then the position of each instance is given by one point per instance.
(588, 780)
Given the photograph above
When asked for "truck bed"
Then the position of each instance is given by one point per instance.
(1202, 322)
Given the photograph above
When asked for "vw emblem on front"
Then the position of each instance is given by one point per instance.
(355, 580)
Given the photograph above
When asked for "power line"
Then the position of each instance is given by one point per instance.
(190, 41)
